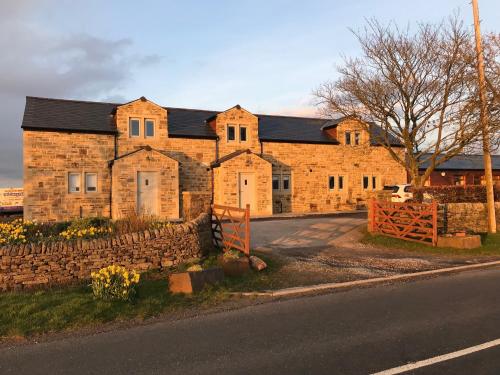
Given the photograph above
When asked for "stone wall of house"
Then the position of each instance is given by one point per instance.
(125, 180)
(226, 182)
(310, 166)
(48, 159)
(469, 217)
(29, 265)
(195, 203)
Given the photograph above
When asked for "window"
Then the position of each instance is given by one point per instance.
(365, 182)
(74, 182)
(231, 133)
(347, 138)
(341, 182)
(374, 182)
(134, 124)
(243, 134)
(286, 183)
(476, 179)
(356, 139)
(331, 182)
(458, 180)
(90, 182)
(276, 182)
(149, 128)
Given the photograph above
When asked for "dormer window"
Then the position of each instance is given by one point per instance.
(149, 128)
(134, 127)
(231, 133)
(347, 138)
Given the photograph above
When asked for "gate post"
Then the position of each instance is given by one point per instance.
(247, 230)
(371, 215)
(434, 223)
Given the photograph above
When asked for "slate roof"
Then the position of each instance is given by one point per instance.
(463, 162)
(96, 117)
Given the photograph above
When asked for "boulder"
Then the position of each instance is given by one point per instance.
(257, 263)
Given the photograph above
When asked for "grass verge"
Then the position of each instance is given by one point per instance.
(490, 245)
(29, 313)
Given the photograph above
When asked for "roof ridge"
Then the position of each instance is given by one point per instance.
(70, 100)
(166, 107)
(301, 117)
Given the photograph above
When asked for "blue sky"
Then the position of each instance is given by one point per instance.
(265, 55)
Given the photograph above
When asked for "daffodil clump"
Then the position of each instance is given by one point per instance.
(90, 232)
(13, 232)
(114, 283)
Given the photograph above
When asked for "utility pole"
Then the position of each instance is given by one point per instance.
(483, 116)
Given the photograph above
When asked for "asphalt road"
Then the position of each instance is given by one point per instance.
(359, 331)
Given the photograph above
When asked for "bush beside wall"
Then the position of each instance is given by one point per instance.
(456, 194)
(29, 265)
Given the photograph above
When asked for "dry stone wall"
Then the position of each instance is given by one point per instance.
(29, 265)
(469, 217)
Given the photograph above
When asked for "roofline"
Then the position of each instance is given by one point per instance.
(299, 141)
(192, 136)
(64, 130)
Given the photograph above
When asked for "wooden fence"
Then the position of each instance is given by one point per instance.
(416, 222)
(231, 228)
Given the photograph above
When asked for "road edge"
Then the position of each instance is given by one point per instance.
(366, 282)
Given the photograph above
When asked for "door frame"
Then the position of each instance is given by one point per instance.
(252, 197)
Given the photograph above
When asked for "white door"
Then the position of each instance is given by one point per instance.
(147, 193)
(246, 188)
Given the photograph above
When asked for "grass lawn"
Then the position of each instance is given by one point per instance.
(27, 313)
(490, 245)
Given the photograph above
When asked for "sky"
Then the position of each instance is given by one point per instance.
(267, 56)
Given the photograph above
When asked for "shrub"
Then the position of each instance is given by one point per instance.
(454, 194)
(195, 268)
(114, 283)
(232, 254)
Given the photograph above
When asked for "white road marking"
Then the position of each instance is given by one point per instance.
(439, 358)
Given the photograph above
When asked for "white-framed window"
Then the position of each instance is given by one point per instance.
(231, 133)
(366, 182)
(285, 179)
(149, 128)
(90, 182)
(331, 182)
(336, 183)
(243, 133)
(276, 182)
(134, 127)
(74, 182)
(347, 138)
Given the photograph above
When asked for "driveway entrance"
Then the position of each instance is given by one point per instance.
(304, 233)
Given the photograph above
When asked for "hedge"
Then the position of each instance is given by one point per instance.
(454, 194)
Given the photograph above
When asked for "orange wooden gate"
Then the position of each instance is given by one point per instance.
(231, 228)
(408, 221)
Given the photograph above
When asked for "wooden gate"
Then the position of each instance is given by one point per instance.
(231, 228)
(408, 221)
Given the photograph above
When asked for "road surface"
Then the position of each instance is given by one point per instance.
(360, 331)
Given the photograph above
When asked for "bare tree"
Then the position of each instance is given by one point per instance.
(418, 87)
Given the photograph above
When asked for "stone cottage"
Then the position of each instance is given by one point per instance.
(105, 159)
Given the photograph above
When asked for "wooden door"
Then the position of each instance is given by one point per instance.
(246, 190)
(147, 193)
